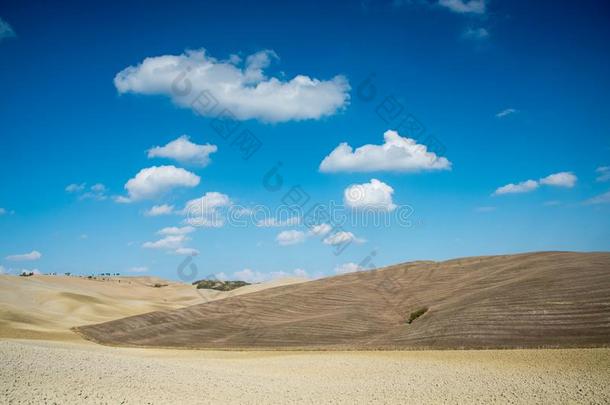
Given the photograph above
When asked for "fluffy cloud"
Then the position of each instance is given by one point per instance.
(374, 195)
(274, 222)
(464, 6)
(209, 201)
(174, 230)
(563, 179)
(156, 180)
(157, 210)
(603, 173)
(506, 112)
(75, 188)
(348, 268)
(6, 31)
(95, 192)
(475, 34)
(196, 80)
(138, 269)
(173, 242)
(186, 251)
(184, 151)
(205, 211)
(523, 187)
(396, 154)
(170, 242)
(600, 199)
(33, 255)
(342, 237)
(300, 273)
(321, 229)
(291, 237)
(252, 276)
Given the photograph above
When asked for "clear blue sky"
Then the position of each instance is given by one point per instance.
(514, 91)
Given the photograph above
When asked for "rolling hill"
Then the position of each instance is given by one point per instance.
(47, 307)
(549, 299)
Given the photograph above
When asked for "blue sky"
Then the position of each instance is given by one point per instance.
(507, 92)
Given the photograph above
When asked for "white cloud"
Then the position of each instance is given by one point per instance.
(98, 188)
(170, 242)
(321, 229)
(209, 201)
(174, 230)
(205, 211)
(96, 192)
(600, 199)
(75, 188)
(348, 268)
(291, 237)
(2, 211)
(157, 210)
(506, 112)
(274, 222)
(186, 251)
(374, 195)
(604, 173)
(156, 180)
(6, 31)
(562, 179)
(475, 33)
(341, 237)
(83, 236)
(2, 270)
(523, 187)
(250, 276)
(33, 255)
(184, 151)
(300, 273)
(191, 78)
(464, 6)
(138, 269)
(396, 154)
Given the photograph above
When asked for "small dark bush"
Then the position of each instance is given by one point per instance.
(220, 285)
(158, 285)
(416, 314)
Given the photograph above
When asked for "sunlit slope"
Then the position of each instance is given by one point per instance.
(47, 307)
(551, 299)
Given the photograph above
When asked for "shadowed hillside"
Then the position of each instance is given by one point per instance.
(551, 299)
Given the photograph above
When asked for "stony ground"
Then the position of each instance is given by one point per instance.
(41, 372)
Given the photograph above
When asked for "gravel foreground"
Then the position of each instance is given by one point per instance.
(43, 372)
